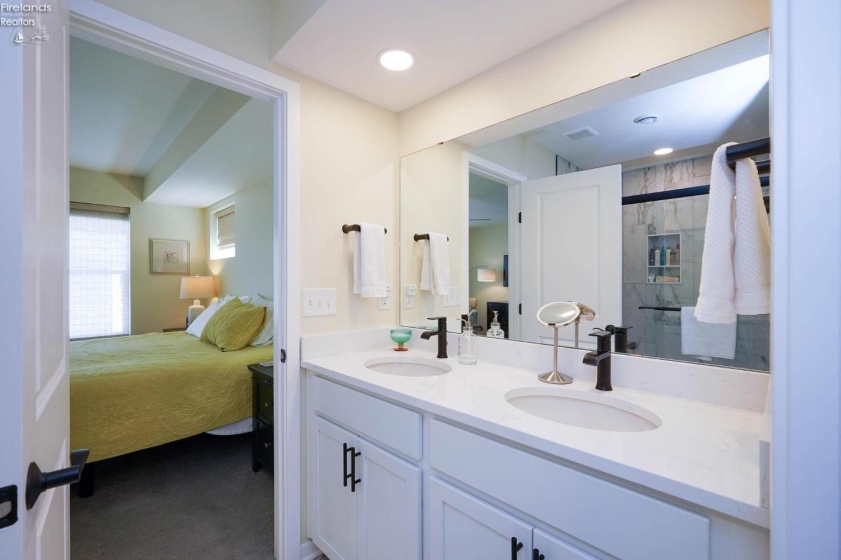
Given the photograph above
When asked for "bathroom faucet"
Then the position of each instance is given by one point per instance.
(441, 333)
(620, 342)
(601, 359)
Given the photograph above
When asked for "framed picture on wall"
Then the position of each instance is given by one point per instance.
(169, 256)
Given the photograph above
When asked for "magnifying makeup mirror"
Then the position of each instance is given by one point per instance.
(560, 314)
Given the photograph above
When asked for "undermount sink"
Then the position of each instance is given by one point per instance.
(408, 367)
(584, 410)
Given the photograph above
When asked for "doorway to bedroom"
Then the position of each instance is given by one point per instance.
(172, 281)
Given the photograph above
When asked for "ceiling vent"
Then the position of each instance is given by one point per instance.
(580, 134)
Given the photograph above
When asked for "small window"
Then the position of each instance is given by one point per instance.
(100, 271)
(223, 231)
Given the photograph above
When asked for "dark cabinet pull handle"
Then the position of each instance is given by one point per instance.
(515, 547)
(346, 476)
(38, 482)
(353, 480)
(535, 555)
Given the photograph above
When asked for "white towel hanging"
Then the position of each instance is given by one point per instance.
(435, 265)
(369, 280)
(752, 258)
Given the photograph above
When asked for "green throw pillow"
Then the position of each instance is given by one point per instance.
(234, 325)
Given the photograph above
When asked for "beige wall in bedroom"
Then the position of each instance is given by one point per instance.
(155, 301)
(348, 155)
(251, 270)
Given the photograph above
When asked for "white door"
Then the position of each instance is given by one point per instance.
(572, 249)
(388, 505)
(34, 386)
(461, 526)
(548, 547)
(333, 517)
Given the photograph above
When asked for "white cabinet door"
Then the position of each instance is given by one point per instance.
(548, 547)
(572, 222)
(333, 517)
(388, 505)
(461, 526)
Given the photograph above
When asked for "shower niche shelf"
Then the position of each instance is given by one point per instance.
(663, 258)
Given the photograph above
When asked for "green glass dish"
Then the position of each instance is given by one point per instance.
(401, 336)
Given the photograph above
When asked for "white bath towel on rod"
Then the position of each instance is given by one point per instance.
(752, 259)
(435, 265)
(369, 280)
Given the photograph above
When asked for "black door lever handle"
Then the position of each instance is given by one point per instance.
(38, 482)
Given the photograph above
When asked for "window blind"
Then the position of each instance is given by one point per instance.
(226, 228)
(100, 267)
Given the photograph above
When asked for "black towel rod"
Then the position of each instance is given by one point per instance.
(422, 236)
(355, 227)
(660, 308)
(748, 149)
(677, 193)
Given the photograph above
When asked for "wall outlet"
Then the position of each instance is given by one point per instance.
(451, 300)
(385, 302)
(319, 301)
(409, 293)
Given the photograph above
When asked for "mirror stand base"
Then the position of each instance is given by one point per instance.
(555, 378)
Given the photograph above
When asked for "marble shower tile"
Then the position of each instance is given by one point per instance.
(676, 175)
(632, 182)
(634, 253)
(701, 166)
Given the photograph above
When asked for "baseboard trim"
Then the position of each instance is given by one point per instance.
(309, 551)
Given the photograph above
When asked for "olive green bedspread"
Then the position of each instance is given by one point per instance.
(130, 393)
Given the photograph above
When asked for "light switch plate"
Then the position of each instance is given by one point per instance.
(319, 301)
(408, 302)
(385, 302)
(451, 300)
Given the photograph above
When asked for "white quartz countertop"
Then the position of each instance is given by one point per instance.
(702, 453)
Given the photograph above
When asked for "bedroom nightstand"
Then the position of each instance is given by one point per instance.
(262, 449)
(175, 329)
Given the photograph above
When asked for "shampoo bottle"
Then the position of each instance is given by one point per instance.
(657, 257)
(468, 347)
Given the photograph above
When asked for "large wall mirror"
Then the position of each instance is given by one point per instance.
(546, 207)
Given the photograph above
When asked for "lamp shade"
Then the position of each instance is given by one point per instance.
(197, 287)
(485, 274)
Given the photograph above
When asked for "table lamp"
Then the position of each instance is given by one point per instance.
(196, 288)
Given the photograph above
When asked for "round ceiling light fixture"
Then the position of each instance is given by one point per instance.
(645, 119)
(396, 60)
(663, 151)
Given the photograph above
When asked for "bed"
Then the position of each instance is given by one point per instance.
(135, 392)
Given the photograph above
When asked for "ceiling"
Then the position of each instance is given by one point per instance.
(694, 116)
(452, 40)
(194, 142)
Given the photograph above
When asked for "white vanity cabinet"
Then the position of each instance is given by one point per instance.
(485, 497)
(462, 526)
(364, 502)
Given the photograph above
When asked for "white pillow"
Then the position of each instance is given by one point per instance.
(266, 334)
(197, 326)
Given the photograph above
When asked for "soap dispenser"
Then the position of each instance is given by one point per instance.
(468, 345)
(495, 331)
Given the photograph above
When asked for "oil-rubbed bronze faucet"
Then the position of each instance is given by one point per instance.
(601, 359)
(441, 333)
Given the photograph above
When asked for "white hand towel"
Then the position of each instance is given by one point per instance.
(369, 262)
(705, 340)
(716, 298)
(752, 260)
(435, 266)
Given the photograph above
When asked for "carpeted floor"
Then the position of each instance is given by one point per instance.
(192, 499)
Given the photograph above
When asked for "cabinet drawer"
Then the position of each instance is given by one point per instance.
(264, 443)
(612, 518)
(387, 424)
(264, 401)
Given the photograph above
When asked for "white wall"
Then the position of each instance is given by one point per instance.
(251, 270)
(519, 154)
(155, 301)
(635, 36)
(806, 318)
